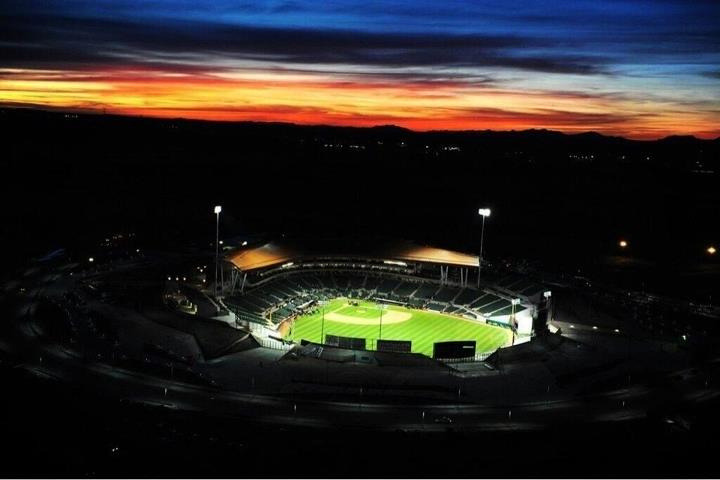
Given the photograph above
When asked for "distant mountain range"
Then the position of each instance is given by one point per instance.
(389, 132)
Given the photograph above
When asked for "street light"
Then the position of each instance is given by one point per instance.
(623, 243)
(484, 213)
(711, 250)
(217, 211)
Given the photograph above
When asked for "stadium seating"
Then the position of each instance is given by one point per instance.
(426, 290)
(405, 289)
(446, 294)
(387, 285)
(468, 296)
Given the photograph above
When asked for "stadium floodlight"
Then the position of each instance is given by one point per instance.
(395, 262)
(217, 211)
(484, 213)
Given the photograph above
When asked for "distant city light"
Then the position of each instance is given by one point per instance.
(623, 243)
(711, 250)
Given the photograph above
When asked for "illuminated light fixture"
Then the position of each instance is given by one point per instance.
(515, 301)
(684, 337)
(91, 259)
(217, 211)
(594, 327)
(169, 278)
(711, 250)
(244, 243)
(623, 243)
(616, 330)
(288, 264)
(395, 262)
(547, 294)
(484, 213)
(221, 242)
(572, 326)
(137, 250)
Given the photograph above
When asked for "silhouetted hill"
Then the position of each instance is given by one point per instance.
(531, 137)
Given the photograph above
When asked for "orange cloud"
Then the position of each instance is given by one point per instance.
(322, 99)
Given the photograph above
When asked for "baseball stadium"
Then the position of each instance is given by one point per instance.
(397, 297)
(318, 334)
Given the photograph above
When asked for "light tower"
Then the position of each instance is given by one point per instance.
(217, 211)
(484, 213)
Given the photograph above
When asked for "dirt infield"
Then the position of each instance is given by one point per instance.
(388, 317)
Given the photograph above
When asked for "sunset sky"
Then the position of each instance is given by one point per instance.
(641, 68)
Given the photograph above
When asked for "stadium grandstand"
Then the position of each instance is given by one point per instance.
(277, 285)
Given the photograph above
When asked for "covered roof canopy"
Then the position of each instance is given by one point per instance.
(277, 253)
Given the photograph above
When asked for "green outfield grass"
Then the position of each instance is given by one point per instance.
(422, 327)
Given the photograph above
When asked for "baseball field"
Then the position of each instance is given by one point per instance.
(369, 320)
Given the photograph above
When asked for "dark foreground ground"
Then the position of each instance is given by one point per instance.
(52, 431)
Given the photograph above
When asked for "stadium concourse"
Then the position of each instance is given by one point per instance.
(310, 293)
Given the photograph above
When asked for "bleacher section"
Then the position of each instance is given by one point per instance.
(387, 285)
(468, 296)
(426, 290)
(446, 294)
(405, 289)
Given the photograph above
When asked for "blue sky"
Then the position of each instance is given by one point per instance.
(623, 61)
